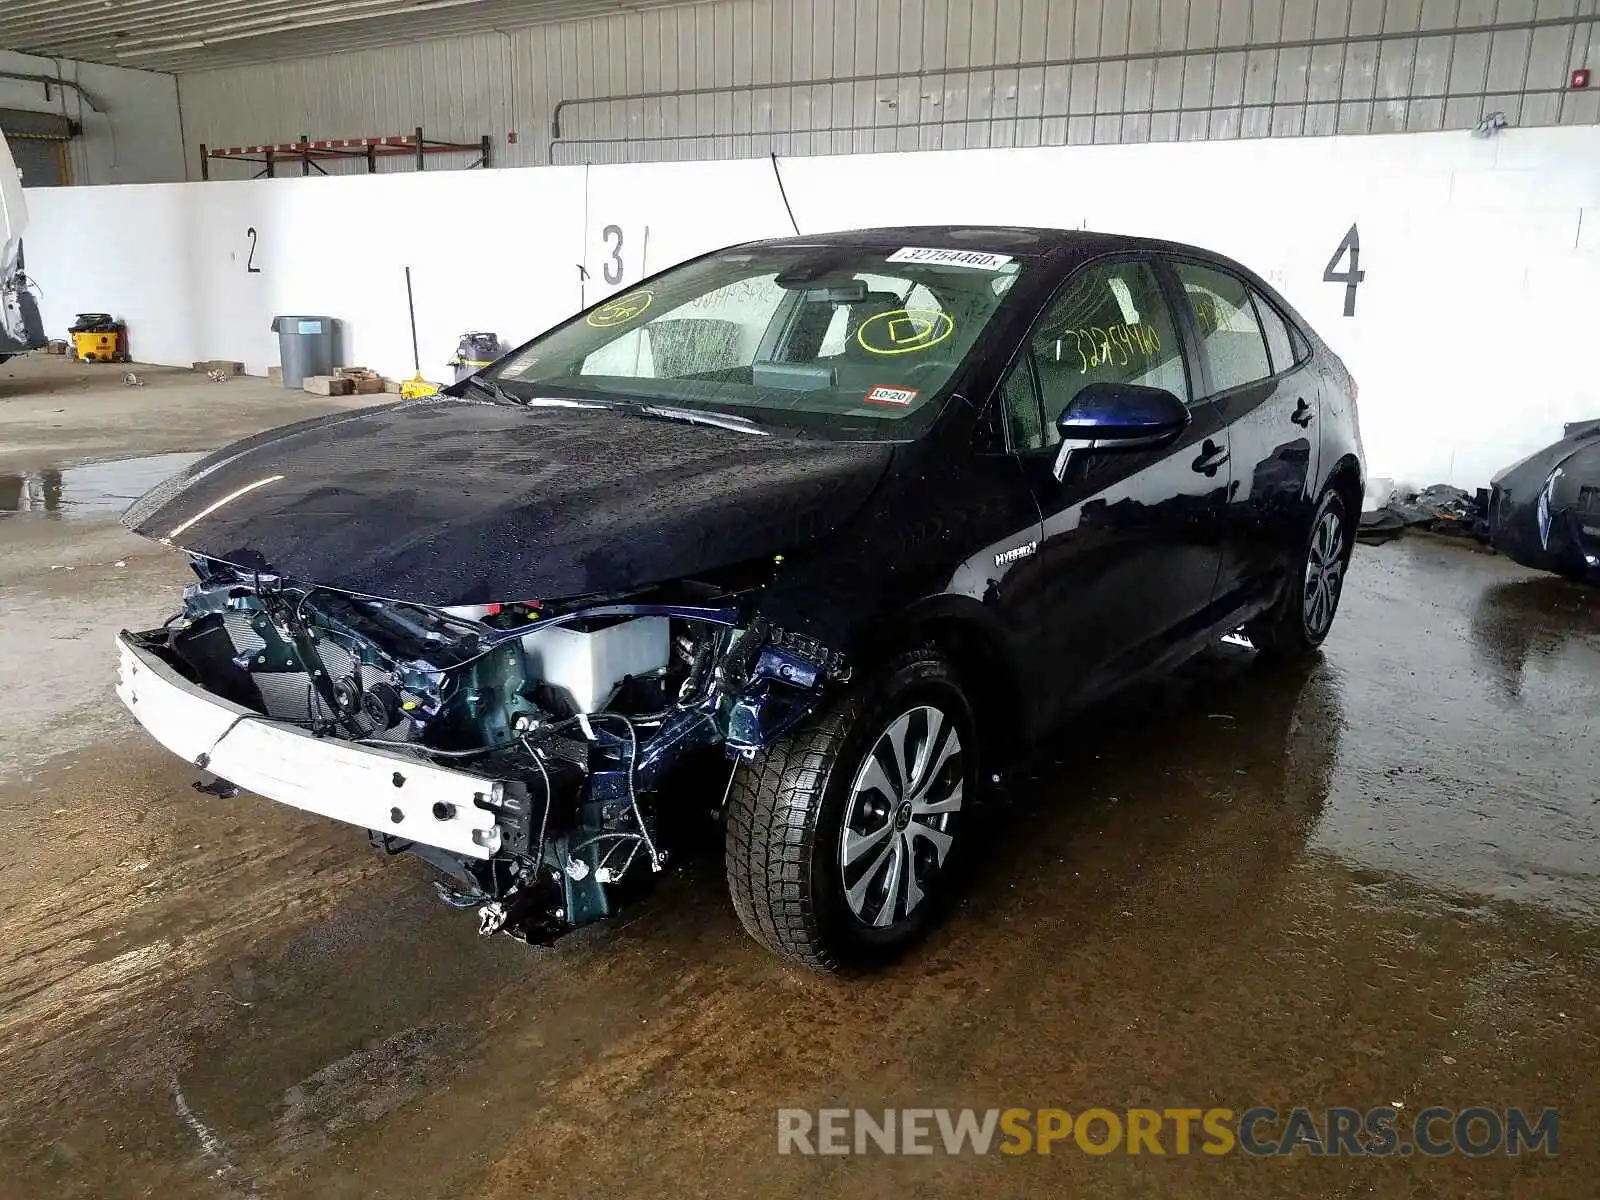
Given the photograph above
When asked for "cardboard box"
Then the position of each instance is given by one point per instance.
(329, 385)
(275, 374)
(391, 386)
(220, 364)
(369, 387)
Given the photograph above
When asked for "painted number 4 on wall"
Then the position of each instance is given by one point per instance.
(1351, 277)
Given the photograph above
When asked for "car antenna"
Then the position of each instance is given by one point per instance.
(784, 192)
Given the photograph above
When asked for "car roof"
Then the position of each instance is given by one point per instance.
(1069, 247)
(1017, 240)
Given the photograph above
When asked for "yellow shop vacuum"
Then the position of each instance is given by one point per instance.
(96, 337)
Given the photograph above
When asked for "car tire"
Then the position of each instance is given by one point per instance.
(1299, 621)
(831, 860)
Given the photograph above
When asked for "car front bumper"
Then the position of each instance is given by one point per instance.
(387, 791)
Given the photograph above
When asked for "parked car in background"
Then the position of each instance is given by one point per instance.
(858, 516)
(1544, 511)
(21, 329)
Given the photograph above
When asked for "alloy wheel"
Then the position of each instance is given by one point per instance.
(1324, 574)
(897, 832)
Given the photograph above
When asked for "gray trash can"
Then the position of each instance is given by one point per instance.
(305, 347)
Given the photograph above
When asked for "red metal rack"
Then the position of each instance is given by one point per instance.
(307, 153)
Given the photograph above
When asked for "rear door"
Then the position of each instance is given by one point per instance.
(1129, 544)
(1258, 376)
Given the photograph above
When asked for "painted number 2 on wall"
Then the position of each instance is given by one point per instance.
(1351, 277)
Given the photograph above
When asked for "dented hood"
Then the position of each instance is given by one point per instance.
(447, 501)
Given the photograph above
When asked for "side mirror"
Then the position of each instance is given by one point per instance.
(1118, 416)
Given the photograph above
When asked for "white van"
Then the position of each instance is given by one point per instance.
(20, 327)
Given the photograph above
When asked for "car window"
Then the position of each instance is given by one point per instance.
(845, 321)
(1302, 348)
(1225, 321)
(710, 333)
(1023, 419)
(1109, 324)
(842, 341)
(1277, 331)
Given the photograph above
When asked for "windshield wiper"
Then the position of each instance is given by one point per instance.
(485, 383)
(698, 417)
(617, 404)
(559, 402)
(493, 386)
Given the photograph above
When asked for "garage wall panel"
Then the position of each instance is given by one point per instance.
(750, 77)
(1475, 250)
(135, 139)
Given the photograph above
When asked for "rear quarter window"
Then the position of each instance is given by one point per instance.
(1225, 321)
(1280, 343)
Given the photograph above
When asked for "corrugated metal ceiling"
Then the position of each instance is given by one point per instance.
(197, 35)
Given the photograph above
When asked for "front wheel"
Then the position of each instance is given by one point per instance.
(840, 839)
(1300, 620)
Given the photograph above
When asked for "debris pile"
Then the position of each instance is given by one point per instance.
(1439, 508)
(366, 382)
(346, 381)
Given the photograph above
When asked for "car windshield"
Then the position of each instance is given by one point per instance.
(834, 341)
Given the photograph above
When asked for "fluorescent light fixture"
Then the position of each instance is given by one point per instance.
(340, 16)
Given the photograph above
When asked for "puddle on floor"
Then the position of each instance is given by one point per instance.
(96, 490)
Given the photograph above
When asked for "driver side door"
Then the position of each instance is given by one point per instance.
(1130, 544)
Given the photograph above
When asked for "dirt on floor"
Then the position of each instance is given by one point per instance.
(1370, 880)
(55, 412)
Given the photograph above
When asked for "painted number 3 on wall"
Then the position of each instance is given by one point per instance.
(612, 269)
(1352, 277)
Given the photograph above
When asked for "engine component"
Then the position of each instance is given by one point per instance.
(586, 664)
(573, 718)
(365, 695)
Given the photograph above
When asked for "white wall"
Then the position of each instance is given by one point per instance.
(1482, 257)
(1126, 71)
(137, 139)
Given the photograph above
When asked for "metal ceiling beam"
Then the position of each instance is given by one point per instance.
(172, 14)
(399, 24)
(56, 22)
(252, 20)
(299, 43)
(236, 31)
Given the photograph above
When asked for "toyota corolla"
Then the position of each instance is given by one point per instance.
(815, 534)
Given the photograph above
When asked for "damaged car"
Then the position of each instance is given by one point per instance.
(1544, 511)
(814, 535)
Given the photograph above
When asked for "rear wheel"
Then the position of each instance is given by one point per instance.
(840, 839)
(1302, 616)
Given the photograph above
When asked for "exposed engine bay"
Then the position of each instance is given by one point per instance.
(578, 715)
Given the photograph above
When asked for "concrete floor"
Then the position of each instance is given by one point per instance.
(1371, 879)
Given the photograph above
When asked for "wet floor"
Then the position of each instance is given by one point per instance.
(1372, 879)
(99, 489)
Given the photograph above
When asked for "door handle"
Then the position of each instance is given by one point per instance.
(1302, 413)
(1211, 460)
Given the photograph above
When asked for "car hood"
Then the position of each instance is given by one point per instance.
(1528, 474)
(448, 501)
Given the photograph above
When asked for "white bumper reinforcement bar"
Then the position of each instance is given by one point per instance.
(389, 791)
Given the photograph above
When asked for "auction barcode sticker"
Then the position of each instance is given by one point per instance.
(980, 260)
